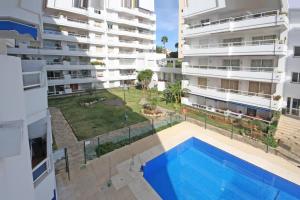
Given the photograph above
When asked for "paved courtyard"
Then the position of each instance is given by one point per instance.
(122, 166)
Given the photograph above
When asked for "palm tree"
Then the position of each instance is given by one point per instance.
(176, 46)
(164, 40)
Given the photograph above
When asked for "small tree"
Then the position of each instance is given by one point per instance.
(159, 49)
(174, 92)
(176, 46)
(164, 40)
(145, 77)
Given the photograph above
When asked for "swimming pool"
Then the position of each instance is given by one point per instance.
(197, 170)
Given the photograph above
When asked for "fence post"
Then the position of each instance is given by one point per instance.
(231, 129)
(205, 120)
(67, 162)
(184, 117)
(152, 124)
(98, 141)
(129, 136)
(84, 152)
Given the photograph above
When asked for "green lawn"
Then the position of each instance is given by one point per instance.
(101, 117)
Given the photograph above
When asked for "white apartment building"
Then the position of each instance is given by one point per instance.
(292, 83)
(92, 43)
(26, 163)
(240, 56)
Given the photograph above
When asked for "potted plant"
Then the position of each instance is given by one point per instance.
(276, 98)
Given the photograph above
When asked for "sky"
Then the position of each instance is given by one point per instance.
(167, 22)
(293, 3)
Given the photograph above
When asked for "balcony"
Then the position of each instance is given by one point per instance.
(32, 80)
(73, 23)
(265, 74)
(245, 22)
(71, 37)
(71, 79)
(229, 95)
(257, 47)
(56, 51)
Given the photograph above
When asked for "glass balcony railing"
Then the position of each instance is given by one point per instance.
(236, 19)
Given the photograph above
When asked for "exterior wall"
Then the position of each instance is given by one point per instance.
(121, 37)
(210, 33)
(13, 108)
(292, 90)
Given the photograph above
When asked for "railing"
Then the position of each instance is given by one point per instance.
(291, 111)
(76, 20)
(97, 11)
(78, 35)
(227, 112)
(234, 68)
(232, 91)
(242, 43)
(31, 80)
(82, 76)
(56, 78)
(39, 170)
(52, 32)
(53, 48)
(236, 19)
(54, 62)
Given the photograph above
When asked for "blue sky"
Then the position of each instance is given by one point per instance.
(167, 21)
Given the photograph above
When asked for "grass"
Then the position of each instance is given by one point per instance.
(101, 117)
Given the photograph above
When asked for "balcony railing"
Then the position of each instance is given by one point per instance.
(32, 80)
(56, 78)
(236, 19)
(82, 76)
(234, 68)
(232, 91)
(39, 170)
(52, 32)
(237, 44)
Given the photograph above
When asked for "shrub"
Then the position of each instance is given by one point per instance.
(98, 63)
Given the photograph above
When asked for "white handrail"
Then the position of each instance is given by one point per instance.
(239, 18)
(233, 68)
(245, 93)
(233, 44)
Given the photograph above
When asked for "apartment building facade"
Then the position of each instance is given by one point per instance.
(92, 43)
(26, 158)
(238, 56)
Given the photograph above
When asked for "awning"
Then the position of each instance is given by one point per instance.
(11, 30)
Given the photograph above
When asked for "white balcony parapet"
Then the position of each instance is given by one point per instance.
(243, 97)
(255, 47)
(256, 20)
(32, 80)
(40, 170)
(267, 74)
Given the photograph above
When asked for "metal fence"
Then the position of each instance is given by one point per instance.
(105, 143)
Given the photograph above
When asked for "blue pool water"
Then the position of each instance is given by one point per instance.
(197, 170)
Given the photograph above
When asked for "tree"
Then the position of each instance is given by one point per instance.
(176, 46)
(174, 92)
(159, 49)
(145, 77)
(164, 40)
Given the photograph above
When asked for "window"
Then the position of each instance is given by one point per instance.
(202, 81)
(296, 77)
(109, 25)
(230, 84)
(233, 41)
(267, 39)
(297, 51)
(262, 63)
(231, 62)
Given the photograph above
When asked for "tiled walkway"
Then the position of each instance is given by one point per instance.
(91, 182)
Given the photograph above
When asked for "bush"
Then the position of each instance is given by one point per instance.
(98, 63)
(270, 141)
